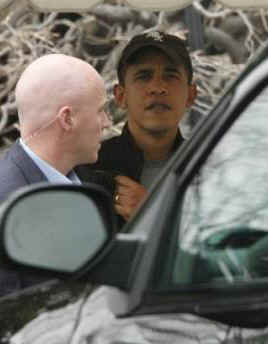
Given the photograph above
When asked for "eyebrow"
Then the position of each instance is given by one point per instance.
(166, 69)
(143, 70)
(173, 69)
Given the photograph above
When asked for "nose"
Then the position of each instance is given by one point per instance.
(158, 86)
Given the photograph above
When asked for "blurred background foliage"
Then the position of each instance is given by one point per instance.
(221, 41)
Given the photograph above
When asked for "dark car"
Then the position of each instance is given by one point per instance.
(190, 267)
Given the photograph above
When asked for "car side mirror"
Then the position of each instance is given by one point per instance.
(61, 228)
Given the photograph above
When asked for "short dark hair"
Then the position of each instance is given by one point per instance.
(173, 46)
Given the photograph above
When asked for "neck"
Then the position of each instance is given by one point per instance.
(155, 146)
(54, 157)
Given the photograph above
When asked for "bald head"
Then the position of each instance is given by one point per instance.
(50, 83)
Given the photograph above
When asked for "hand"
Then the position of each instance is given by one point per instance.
(128, 196)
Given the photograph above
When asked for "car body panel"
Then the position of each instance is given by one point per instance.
(98, 324)
(18, 309)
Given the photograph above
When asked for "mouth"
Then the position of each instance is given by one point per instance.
(158, 107)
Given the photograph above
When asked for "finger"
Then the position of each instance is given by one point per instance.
(123, 188)
(122, 211)
(129, 187)
(123, 199)
(116, 197)
(125, 181)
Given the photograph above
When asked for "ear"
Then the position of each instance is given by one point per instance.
(119, 95)
(192, 93)
(65, 116)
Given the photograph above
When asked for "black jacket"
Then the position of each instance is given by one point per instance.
(118, 156)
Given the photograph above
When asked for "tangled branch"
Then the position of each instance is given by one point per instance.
(99, 35)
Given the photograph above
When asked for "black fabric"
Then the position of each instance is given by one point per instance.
(118, 156)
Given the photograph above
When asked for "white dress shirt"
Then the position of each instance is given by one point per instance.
(53, 175)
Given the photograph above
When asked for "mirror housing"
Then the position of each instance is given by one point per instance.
(118, 266)
(64, 228)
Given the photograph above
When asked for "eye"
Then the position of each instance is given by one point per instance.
(172, 75)
(143, 76)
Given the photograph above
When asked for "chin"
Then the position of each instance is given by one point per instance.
(157, 131)
(92, 160)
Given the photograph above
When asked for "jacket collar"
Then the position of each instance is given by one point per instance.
(127, 136)
(27, 166)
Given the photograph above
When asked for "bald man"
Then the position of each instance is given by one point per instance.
(61, 105)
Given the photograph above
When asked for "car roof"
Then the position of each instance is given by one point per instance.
(84, 5)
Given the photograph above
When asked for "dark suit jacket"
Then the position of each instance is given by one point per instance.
(17, 169)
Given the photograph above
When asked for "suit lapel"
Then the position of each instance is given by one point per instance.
(30, 170)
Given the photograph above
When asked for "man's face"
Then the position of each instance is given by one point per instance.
(156, 94)
(92, 121)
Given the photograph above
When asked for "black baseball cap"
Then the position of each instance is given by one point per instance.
(173, 46)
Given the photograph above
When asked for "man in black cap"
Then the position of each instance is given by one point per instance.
(155, 88)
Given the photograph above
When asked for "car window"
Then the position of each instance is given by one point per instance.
(222, 236)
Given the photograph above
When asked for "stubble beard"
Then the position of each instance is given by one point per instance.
(156, 132)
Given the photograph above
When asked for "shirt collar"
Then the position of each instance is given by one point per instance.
(53, 175)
